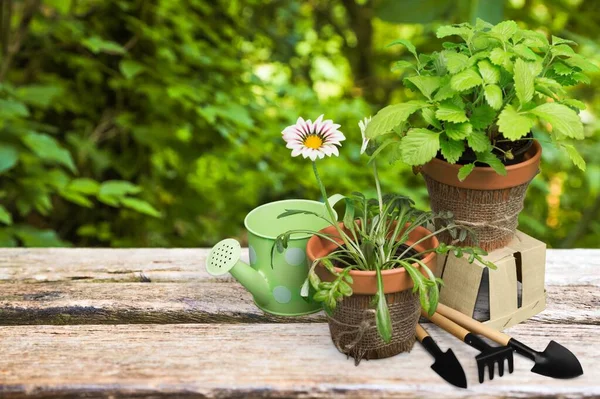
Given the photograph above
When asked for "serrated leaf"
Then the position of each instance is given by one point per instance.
(458, 131)
(581, 78)
(426, 84)
(429, 117)
(5, 216)
(131, 68)
(456, 62)
(565, 122)
(562, 69)
(451, 149)
(390, 117)
(406, 43)
(465, 171)
(525, 52)
(445, 92)
(523, 81)
(501, 58)
(140, 206)
(534, 39)
(9, 156)
(419, 146)
(574, 103)
(492, 160)
(449, 30)
(489, 72)
(514, 125)
(562, 50)
(493, 96)
(482, 117)
(465, 80)
(559, 40)
(450, 112)
(575, 156)
(399, 65)
(48, 149)
(581, 63)
(504, 30)
(479, 142)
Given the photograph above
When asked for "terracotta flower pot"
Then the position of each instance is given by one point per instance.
(352, 324)
(485, 201)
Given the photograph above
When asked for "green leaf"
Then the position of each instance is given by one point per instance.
(10, 109)
(429, 117)
(565, 122)
(140, 206)
(399, 65)
(419, 146)
(558, 40)
(501, 58)
(465, 171)
(5, 216)
(504, 30)
(32, 237)
(523, 81)
(525, 52)
(445, 92)
(575, 156)
(562, 50)
(458, 131)
(534, 39)
(39, 95)
(76, 198)
(406, 43)
(574, 103)
(84, 186)
(493, 161)
(581, 63)
(482, 117)
(97, 45)
(562, 69)
(48, 149)
(131, 68)
(581, 78)
(8, 157)
(112, 191)
(7, 239)
(451, 149)
(465, 80)
(479, 142)
(513, 124)
(448, 30)
(426, 84)
(493, 96)
(383, 319)
(456, 62)
(489, 72)
(390, 117)
(349, 214)
(450, 112)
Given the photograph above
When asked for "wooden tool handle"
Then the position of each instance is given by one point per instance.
(473, 325)
(447, 325)
(421, 333)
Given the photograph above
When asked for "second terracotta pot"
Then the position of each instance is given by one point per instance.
(485, 201)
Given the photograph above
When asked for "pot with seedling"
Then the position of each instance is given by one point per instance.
(374, 271)
(470, 132)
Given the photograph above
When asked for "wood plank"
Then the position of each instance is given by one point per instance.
(260, 360)
(38, 265)
(204, 302)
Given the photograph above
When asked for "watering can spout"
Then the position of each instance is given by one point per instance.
(225, 257)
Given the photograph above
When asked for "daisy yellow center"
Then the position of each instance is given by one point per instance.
(313, 142)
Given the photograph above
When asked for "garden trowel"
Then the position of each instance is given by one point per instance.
(446, 364)
(555, 361)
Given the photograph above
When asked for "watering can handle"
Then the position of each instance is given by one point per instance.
(335, 198)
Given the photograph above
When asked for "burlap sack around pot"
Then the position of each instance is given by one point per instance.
(485, 201)
(352, 325)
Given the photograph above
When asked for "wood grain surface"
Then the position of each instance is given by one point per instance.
(153, 323)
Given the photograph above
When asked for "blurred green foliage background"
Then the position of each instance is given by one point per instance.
(157, 122)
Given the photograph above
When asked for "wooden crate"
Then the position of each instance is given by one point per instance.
(500, 298)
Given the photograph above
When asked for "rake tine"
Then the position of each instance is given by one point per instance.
(481, 369)
(510, 364)
(501, 367)
(491, 369)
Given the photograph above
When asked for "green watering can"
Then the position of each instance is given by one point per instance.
(275, 286)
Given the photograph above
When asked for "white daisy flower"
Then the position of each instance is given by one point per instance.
(363, 128)
(313, 140)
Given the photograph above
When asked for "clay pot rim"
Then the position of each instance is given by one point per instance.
(384, 273)
(485, 177)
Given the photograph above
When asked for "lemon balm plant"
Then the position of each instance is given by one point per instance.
(469, 132)
(381, 252)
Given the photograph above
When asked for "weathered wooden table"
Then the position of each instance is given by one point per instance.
(152, 322)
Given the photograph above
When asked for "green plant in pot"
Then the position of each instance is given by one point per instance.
(469, 131)
(374, 271)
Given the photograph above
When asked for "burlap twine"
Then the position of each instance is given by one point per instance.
(354, 331)
(493, 214)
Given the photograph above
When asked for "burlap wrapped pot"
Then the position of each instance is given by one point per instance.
(485, 201)
(352, 325)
